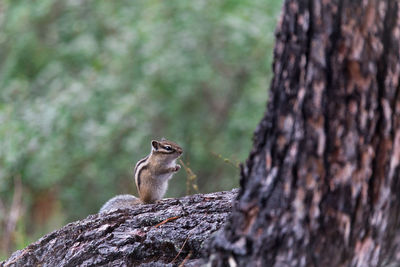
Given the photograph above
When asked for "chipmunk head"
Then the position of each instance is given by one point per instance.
(168, 149)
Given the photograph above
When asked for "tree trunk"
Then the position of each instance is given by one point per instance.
(321, 185)
(165, 234)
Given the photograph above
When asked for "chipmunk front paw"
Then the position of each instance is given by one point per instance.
(177, 167)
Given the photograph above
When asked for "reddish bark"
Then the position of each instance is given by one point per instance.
(321, 186)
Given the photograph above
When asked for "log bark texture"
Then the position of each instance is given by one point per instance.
(321, 185)
(165, 234)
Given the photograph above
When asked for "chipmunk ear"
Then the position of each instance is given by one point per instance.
(154, 145)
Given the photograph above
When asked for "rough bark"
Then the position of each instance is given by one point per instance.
(164, 234)
(321, 185)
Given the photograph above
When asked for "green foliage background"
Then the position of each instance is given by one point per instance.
(86, 85)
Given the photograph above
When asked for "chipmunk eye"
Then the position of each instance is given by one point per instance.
(168, 148)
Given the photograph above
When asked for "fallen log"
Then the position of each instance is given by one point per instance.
(167, 233)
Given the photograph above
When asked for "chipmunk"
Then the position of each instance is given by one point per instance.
(151, 174)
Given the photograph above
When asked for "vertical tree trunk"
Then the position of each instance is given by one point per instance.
(321, 185)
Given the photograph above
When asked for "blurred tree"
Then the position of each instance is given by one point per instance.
(85, 86)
